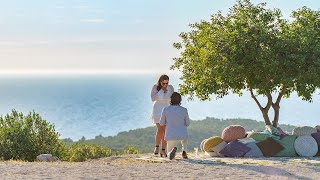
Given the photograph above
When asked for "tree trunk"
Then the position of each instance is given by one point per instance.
(276, 109)
(266, 117)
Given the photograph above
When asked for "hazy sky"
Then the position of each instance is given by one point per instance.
(78, 35)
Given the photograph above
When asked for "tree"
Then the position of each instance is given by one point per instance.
(254, 49)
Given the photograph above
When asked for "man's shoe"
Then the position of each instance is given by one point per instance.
(173, 153)
(184, 155)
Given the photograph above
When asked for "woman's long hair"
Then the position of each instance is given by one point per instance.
(162, 78)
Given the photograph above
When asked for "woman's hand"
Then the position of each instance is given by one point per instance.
(165, 89)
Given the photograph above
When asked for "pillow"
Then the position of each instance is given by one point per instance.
(254, 152)
(235, 149)
(273, 130)
(288, 144)
(233, 132)
(213, 154)
(269, 147)
(219, 147)
(209, 143)
(316, 136)
(258, 136)
(306, 146)
(201, 145)
(271, 135)
(302, 131)
(246, 140)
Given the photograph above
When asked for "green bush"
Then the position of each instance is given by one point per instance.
(25, 137)
(131, 150)
(83, 152)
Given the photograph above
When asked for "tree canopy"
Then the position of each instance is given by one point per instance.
(252, 48)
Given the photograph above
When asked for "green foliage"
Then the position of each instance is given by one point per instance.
(254, 49)
(82, 152)
(131, 150)
(143, 139)
(25, 137)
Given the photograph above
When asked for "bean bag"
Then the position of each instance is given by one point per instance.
(201, 145)
(254, 152)
(316, 136)
(269, 147)
(258, 136)
(306, 146)
(273, 130)
(235, 149)
(282, 133)
(209, 143)
(219, 147)
(212, 154)
(288, 144)
(302, 131)
(233, 132)
(318, 128)
(272, 135)
(246, 140)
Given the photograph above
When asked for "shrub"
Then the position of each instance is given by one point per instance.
(131, 150)
(25, 137)
(83, 152)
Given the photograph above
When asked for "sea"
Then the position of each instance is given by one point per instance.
(105, 104)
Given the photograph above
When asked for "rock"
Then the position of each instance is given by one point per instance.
(47, 158)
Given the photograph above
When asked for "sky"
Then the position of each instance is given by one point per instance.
(103, 35)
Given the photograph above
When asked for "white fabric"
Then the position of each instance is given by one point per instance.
(176, 119)
(161, 100)
(173, 143)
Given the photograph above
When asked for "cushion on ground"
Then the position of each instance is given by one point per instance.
(235, 149)
(254, 152)
(272, 135)
(318, 128)
(213, 141)
(213, 154)
(233, 132)
(270, 147)
(288, 144)
(302, 131)
(273, 130)
(201, 145)
(306, 146)
(258, 136)
(219, 147)
(316, 136)
(246, 140)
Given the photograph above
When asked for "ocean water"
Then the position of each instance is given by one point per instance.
(91, 105)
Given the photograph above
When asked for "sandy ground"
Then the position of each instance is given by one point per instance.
(147, 166)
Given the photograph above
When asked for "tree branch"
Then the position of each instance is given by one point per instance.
(283, 90)
(255, 99)
(269, 96)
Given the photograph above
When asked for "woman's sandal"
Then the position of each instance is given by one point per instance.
(156, 150)
(163, 153)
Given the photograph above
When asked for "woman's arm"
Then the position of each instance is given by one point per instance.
(154, 93)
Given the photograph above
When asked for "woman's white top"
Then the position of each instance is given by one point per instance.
(176, 119)
(161, 100)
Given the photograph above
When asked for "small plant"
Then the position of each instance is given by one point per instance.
(131, 150)
(83, 152)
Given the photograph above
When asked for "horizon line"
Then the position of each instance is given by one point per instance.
(79, 72)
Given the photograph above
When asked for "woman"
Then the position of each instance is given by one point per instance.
(176, 120)
(160, 95)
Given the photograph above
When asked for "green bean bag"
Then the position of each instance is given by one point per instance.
(288, 144)
(258, 136)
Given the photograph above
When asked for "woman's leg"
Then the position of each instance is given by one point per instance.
(158, 135)
(163, 142)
